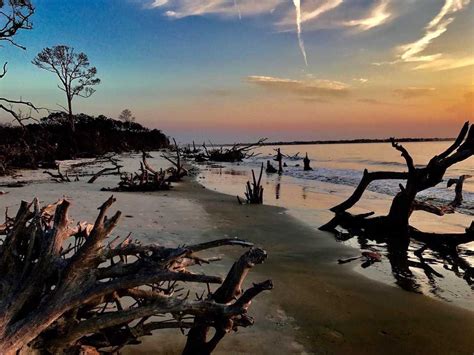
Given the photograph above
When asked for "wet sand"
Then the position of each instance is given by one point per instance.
(316, 306)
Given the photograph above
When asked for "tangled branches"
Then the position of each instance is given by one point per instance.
(64, 288)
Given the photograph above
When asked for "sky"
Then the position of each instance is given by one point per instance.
(237, 70)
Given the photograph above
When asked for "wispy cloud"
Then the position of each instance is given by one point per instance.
(447, 63)
(304, 88)
(226, 8)
(361, 80)
(326, 6)
(377, 16)
(412, 52)
(414, 92)
(297, 4)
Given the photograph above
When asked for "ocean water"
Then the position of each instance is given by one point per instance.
(337, 170)
(343, 164)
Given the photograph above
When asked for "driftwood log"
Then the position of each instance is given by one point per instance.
(235, 153)
(65, 289)
(115, 169)
(394, 228)
(270, 169)
(60, 177)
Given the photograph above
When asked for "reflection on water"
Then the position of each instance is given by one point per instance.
(278, 187)
(444, 274)
(413, 265)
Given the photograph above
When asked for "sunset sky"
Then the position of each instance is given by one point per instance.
(230, 70)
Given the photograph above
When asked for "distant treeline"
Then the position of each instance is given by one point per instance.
(41, 144)
(355, 141)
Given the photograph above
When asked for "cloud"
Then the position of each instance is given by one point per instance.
(414, 92)
(373, 102)
(309, 88)
(377, 16)
(311, 10)
(447, 63)
(361, 80)
(183, 8)
(412, 52)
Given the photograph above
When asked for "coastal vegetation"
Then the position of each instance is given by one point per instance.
(39, 145)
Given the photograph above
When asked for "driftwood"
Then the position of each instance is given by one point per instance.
(279, 158)
(394, 228)
(306, 163)
(60, 177)
(177, 172)
(270, 169)
(254, 191)
(235, 153)
(64, 289)
(459, 183)
(115, 169)
(147, 179)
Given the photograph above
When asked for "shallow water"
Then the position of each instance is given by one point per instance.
(336, 170)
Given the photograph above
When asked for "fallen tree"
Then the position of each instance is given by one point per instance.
(115, 169)
(147, 179)
(64, 289)
(235, 153)
(394, 228)
(177, 171)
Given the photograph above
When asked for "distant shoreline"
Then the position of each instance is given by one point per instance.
(352, 141)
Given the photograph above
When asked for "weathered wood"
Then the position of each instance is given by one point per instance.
(306, 163)
(394, 228)
(279, 158)
(235, 153)
(58, 283)
(254, 190)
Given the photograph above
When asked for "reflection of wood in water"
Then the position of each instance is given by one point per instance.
(304, 193)
(278, 188)
(221, 171)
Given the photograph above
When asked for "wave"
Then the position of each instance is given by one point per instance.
(439, 195)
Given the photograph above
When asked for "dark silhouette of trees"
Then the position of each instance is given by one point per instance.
(76, 75)
(126, 116)
(15, 16)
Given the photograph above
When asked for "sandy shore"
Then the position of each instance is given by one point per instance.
(316, 307)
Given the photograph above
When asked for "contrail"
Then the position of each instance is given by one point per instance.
(238, 9)
(297, 4)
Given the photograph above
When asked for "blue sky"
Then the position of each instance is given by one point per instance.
(197, 70)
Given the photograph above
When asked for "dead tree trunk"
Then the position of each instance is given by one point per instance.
(63, 286)
(231, 290)
(306, 163)
(254, 191)
(279, 159)
(115, 169)
(270, 168)
(177, 172)
(396, 222)
(458, 189)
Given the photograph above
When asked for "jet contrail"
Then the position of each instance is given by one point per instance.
(238, 9)
(297, 4)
